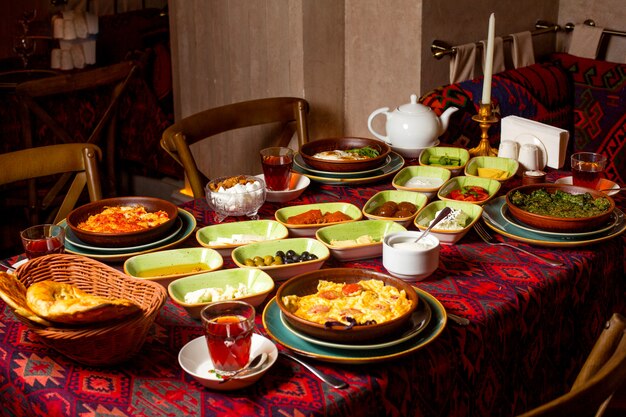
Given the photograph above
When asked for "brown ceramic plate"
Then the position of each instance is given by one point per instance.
(306, 284)
(125, 239)
(559, 224)
(330, 144)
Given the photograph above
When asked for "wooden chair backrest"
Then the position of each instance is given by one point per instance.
(78, 159)
(200, 126)
(602, 374)
(117, 76)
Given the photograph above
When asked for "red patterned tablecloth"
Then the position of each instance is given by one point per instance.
(531, 327)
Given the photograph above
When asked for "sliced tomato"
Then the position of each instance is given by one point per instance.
(330, 294)
(470, 193)
(350, 289)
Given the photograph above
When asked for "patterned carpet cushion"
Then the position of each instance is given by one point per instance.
(599, 109)
(540, 92)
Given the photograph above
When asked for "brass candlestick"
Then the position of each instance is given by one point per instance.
(485, 119)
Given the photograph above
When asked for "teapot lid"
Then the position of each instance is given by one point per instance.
(413, 107)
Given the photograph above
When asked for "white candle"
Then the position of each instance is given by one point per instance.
(489, 61)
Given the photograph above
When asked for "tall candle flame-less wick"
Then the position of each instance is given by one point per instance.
(486, 99)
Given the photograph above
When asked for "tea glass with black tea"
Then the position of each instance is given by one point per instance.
(43, 239)
(228, 328)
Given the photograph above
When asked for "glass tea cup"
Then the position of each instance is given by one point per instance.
(587, 168)
(43, 239)
(277, 162)
(228, 328)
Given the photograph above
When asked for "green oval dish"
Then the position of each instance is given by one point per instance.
(267, 229)
(492, 186)
(505, 164)
(424, 217)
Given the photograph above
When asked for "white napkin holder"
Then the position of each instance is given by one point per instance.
(553, 139)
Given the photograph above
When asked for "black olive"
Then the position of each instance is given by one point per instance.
(280, 253)
(288, 261)
(311, 257)
(290, 253)
(305, 254)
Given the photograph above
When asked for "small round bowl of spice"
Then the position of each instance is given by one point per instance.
(560, 207)
(347, 154)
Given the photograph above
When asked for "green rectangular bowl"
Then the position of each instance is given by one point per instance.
(308, 230)
(474, 211)
(398, 196)
(492, 186)
(259, 284)
(506, 164)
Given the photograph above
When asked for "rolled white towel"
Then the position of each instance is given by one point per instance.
(78, 57)
(57, 27)
(89, 49)
(92, 23)
(55, 58)
(81, 25)
(69, 30)
(63, 44)
(66, 60)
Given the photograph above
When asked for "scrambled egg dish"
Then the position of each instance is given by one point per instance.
(366, 302)
(122, 219)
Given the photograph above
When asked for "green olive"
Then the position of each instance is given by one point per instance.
(278, 260)
(249, 262)
(268, 259)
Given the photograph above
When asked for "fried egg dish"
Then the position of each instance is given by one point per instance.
(122, 219)
(362, 303)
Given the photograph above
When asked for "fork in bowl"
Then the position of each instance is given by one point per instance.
(484, 235)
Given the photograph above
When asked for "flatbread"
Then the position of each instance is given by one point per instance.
(64, 303)
(13, 292)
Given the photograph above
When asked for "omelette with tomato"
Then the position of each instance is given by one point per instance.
(365, 302)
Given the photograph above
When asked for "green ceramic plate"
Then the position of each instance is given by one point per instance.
(189, 225)
(267, 229)
(505, 164)
(259, 285)
(277, 331)
(376, 229)
(285, 271)
(492, 187)
(384, 172)
(492, 216)
(474, 211)
(165, 266)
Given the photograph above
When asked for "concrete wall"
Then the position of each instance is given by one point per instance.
(347, 58)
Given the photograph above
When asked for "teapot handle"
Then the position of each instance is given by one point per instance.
(369, 123)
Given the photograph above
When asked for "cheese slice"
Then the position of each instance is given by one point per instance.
(492, 173)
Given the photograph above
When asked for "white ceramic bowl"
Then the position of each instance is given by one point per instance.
(411, 263)
(194, 358)
(236, 201)
(297, 184)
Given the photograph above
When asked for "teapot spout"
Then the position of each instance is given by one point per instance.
(445, 118)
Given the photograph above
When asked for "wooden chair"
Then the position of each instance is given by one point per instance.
(31, 94)
(602, 374)
(78, 159)
(197, 127)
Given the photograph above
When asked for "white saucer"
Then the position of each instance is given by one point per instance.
(412, 152)
(194, 358)
(603, 184)
(297, 184)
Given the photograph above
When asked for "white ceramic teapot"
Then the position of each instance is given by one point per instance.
(412, 126)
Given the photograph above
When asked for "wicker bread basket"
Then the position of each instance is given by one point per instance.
(99, 344)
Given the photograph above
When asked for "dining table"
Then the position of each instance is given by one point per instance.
(530, 327)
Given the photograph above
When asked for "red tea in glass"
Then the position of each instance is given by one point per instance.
(587, 168)
(277, 163)
(229, 340)
(43, 239)
(228, 327)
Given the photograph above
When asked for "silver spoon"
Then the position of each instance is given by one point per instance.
(257, 361)
(442, 215)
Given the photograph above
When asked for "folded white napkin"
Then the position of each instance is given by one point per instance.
(462, 63)
(585, 41)
(55, 58)
(81, 25)
(498, 54)
(522, 51)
